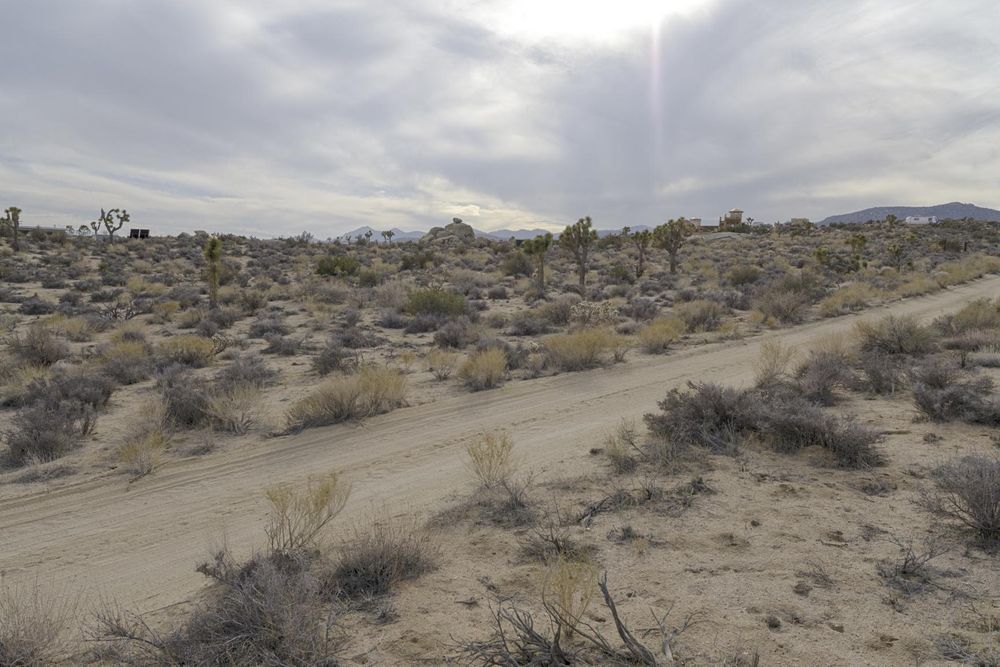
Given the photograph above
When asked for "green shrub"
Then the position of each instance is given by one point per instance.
(337, 265)
(436, 301)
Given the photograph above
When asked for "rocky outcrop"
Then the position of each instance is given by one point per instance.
(455, 233)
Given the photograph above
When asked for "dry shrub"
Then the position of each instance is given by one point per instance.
(721, 418)
(381, 556)
(968, 492)
(895, 335)
(300, 513)
(484, 369)
(188, 350)
(771, 366)
(847, 299)
(490, 458)
(236, 409)
(942, 394)
(657, 336)
(45, 431)
(969, 268)
(76, 329)
(145, 439)
(781, 304)
(38, 346)
(441, 363)
(702, 314)
(916, 285)
(127, 361)
(978, 315)
(266, 611)
(821, 373)
(622, 446)
(373, 390)
(579, 350)
(568, 588)
(34, 627)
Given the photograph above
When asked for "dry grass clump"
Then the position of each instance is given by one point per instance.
(490, 458)
(127, 361)
(373, 390)
(771, 366)
(579, 350)
(441, 363)
(300, 513)
(968, 492)
(34, 627)
(847, 299)
(381, 556)
(702, 314)
(484, 369)
(977, 315)
(568, 588)
(656, 337)
(622, 447)
(188, 350)
(145, 439)
(969, 268)
(236, 409)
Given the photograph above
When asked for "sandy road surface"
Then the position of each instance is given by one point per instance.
(139, 543)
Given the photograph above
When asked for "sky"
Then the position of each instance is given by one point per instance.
(274, 118)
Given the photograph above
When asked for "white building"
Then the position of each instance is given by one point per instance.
(921, 219)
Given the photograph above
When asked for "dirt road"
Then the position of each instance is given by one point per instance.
(139, 543)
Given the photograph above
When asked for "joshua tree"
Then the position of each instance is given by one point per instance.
(213, 261)
(537, 247)
(891, 219)
(641, 241)
(112, 221)
(671, 237)
(895, 251)
(857, 243)
(578, 239)
(387, 235)
(12, 219)
(368, 236)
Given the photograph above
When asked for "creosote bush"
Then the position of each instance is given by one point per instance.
(372, 391)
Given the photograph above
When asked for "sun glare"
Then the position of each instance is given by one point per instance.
(588, 18)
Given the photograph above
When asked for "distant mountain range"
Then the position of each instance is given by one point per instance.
(499, 234)
(952, 211)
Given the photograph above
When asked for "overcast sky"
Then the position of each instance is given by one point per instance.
(273, 118)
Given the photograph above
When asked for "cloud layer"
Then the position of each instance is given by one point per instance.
(275, 118)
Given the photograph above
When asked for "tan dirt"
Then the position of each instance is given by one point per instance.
(138, 543)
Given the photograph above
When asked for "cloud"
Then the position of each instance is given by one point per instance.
(274, 118)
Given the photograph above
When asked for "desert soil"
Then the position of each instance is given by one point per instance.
(138, 543)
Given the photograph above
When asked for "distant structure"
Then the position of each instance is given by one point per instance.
(138, 233)
(799, 221)
(921, 219)
(732, 218)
